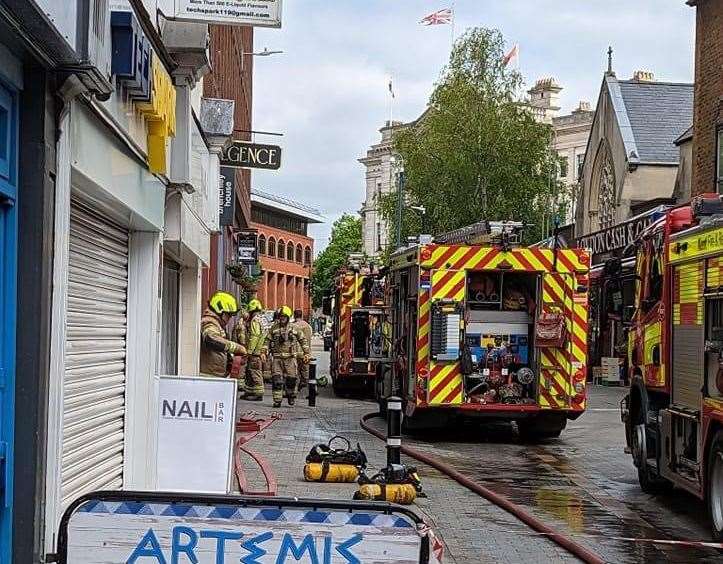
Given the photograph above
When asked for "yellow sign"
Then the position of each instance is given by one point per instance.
(698, 245)
(160, 114)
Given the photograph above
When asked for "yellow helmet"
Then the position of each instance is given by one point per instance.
(286, 310)
(254, 305)
(223, 302)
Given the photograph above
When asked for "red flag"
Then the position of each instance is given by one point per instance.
(513, 53)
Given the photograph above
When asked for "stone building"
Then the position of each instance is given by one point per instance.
(631, 156)
(708, 114)
(285, 250)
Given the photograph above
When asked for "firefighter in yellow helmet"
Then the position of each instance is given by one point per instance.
(301, 324)
(283, 340)
(216, 347)
(254, 336)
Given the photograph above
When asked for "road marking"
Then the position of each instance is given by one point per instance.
(603, 409)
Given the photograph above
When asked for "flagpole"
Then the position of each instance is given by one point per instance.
(453, 17)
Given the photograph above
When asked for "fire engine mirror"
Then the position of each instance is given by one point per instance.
(656, 355)
(326, 305)
(123, 526)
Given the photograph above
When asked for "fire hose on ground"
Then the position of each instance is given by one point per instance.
(564, 542)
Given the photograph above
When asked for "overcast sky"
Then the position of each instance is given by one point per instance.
(328, 92)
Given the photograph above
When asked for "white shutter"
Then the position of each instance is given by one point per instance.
(95, 355)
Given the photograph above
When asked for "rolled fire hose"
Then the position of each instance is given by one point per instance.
(535, 524)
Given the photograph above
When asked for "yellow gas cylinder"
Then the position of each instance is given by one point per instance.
(318, 472)
(404, 494)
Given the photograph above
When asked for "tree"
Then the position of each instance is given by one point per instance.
(476, 153)
(346, 238)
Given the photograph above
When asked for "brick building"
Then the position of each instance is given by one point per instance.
(708, 112)
(285, 250)
(232, 79)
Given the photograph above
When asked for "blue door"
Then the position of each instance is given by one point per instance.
(8, 276)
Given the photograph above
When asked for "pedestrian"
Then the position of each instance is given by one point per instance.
(254, 334)
(302, 326)
(282, 342)
(216, 347)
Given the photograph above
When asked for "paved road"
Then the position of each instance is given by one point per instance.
(582, 484)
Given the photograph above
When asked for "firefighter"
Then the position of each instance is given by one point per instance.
(216, 347)
(303, 327)
(255, 335)
(282, 340)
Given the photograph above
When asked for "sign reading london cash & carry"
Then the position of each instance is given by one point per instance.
(264, 13)
(242, 154)
(148, 528)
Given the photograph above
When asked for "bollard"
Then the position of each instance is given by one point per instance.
(394, 430)
(312, 384)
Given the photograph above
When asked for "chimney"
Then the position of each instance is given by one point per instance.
(644, 76)
(583, 106)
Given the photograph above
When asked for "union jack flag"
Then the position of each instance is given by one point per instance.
(439, 17)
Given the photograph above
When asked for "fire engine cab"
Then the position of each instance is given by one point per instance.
(673, 413)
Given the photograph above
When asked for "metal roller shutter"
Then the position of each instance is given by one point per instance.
(95, 355)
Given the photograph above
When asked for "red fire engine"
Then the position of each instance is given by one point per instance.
(485, 327)
(673, 413)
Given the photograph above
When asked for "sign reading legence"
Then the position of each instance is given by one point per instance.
(265, 13)
(241, 154)
(152, 530)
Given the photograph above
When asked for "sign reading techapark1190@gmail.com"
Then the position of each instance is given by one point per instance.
(264, 13)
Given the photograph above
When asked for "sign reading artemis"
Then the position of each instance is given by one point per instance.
(241, 154)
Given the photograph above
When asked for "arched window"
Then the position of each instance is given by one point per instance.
(281, 249)
(290, 251)
(262, 245)
(307, 256)
(299, 254)
(272, 247)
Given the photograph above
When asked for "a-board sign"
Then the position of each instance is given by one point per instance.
(156, 528)
(242, 154)
(196, 422)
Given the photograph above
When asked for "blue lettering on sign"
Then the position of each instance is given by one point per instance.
(145, 551)
(184, 541)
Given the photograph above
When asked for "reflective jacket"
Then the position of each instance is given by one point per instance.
(255, 336)
(216, 347)
(305, 330)
(283, 341)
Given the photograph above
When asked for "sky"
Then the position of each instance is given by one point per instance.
(328, 91)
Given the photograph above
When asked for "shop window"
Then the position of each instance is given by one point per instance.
(299, 254)
(262, 245)
(719, 161)
(280, 249)
(272, 247)
(290, 251)
(307, 256)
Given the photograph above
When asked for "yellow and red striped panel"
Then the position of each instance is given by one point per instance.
(350, 291)
(466, 257)
(445, 384)
(688, 293)
(449, 285)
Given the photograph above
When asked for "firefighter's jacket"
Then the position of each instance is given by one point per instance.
(305, 329)
(216, 347)
(283, 341)
(255, 337)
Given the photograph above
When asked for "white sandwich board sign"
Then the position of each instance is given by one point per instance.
(196, 416)
(157, 528)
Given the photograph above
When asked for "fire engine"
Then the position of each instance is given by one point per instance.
(359, 341)
(485, 327)
(673, 413)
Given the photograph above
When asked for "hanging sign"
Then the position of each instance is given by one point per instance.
(242, 154)
(263, 13)
(614, 238)
(246, 251)
(195, 432)
(226, 196)
(142, 527)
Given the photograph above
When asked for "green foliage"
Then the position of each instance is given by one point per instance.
(346, 238)
(476, 153)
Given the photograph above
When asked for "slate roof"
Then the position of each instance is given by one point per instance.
(658, 112)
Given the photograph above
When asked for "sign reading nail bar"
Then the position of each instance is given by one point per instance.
(264, 13)
(159, 528)
(241, 154)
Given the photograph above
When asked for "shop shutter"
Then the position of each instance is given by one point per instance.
(95, 355)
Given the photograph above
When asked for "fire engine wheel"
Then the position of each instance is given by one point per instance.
(715, 486)
(650, 482)
(541, 427)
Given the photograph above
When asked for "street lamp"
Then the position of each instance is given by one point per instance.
(265, 53)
